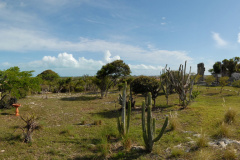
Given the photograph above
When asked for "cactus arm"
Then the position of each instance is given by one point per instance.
(149, 127)
(128, 115)
(120, 99)
(119, 124)
(150, 121)
(154, 126)
(162, 130)
(143, 124)
(124, 106)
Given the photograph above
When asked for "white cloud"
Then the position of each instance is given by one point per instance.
(219, 41)
(67, 65)
(147, 67)
(18, 40)
(163, 23)
(107, 57)
(65, 60)
(21, 40)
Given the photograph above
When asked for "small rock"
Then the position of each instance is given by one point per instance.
(178, 146)
(189, 138)
(168, 150)
(212, 144)
(137, 148)
(197, 135)
(2, 151)
(222, 144)
(191, 142)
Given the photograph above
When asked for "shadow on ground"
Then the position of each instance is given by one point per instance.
(81, 98)
(6, 114)
(117, 156)
(161, 107)
(108, 113)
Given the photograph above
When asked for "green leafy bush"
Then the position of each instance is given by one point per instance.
(195, 94)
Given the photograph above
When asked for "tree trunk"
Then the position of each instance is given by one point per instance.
(102, 94)
(154, 103)
(28, 137)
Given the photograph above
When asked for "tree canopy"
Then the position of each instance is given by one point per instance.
(109, 73)
(16, 84)
(48, 75)
(228, 66)
(145, 84)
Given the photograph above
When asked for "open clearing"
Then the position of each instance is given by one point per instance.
(63, 135)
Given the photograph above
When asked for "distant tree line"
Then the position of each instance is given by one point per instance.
(227, 66)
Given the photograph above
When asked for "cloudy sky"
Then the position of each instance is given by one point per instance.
(77, 37)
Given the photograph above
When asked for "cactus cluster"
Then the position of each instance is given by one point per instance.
(182, 83)
(122, 128)
(149, 132)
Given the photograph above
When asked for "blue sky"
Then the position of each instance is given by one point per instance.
(77, 37)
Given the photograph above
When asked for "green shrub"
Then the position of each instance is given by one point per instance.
(236, 84)
(195, 94)
(176, 153)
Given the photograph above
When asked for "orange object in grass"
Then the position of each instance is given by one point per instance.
(16, 106)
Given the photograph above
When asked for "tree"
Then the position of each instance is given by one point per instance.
(102, 84)
(16, 84)
(143, 85)
(209, 80)
(236, 84)
(109, 73)
(49, 78)
(227, 67)
(230, 66)
(48, 75)
(68, 83)
(223, 81)
(217, 67)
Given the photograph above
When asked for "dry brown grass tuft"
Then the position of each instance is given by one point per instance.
(174, 123)
(230, 116)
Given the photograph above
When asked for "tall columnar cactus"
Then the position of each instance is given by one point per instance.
(122, 128)
(182, 83)
(149, 133)
(165, 84)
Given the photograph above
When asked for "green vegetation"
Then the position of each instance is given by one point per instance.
(16, 84)
(109, 73)
(65, 136)
(209, 80)
(143, 85)
(227, 66)
(182, 84)
(123, 128)
(236, 84)
(149, 133)
(223, 81)
(77, 123)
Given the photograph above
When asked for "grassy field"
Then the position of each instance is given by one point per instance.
(83, 126)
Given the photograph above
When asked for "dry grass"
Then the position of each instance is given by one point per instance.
(204, 154)
(63, 136)
(174, 123)
(230, 116)
(223, 131)
(202, 141)
(229, 154)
